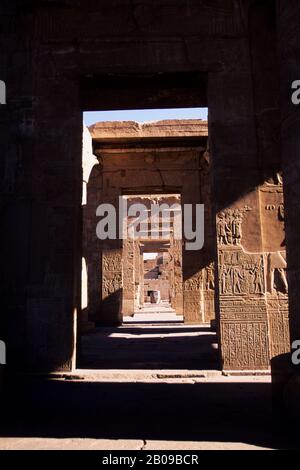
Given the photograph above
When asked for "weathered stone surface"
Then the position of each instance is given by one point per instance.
(156, 157)
(58, 59)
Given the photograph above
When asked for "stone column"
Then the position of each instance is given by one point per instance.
(142, 274)
(192, 259)
(244, 122)
(128, 303)
(137, 276)
(41, 217)
(177, 281)
(112, 269)
(89, 241)
(289, 50)
(241, 308)
(272, 216)
(209, 292)
(285, 373)
(112, 285)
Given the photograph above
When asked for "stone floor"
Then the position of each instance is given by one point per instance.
(155, 338)
(88, 410)
(144, 387)
(155, 313)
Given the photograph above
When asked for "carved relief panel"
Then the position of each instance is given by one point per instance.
(111, 272)
(241, 273)
(272, 219)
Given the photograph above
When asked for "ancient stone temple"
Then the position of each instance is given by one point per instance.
(239, 59)
(250, 270)
(157, 163)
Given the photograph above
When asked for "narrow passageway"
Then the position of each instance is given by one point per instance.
(154, 313)
(154, 338)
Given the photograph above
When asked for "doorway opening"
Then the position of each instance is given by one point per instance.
(145, 302)
(152, 259)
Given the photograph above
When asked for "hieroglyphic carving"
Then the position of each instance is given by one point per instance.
(241, 273)
(210, 277)
(177, 284)
(276, 273)
(229, 226)
(111, 261)
(278, 320)
(209, 292)
(272, 219)
(245, 345)
(128, 304)
(243, 309)
(111, 272)
(277, 303)
(279, 208)
(243, 312)
(112, 285)
(176, 276)
(194, 283)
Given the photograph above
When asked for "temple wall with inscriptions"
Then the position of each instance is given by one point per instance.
(253, 302)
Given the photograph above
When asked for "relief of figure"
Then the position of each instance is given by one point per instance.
(258, 280)
(225, 276)
(277, 272)
(237, 277)
(237, 227)
(229, 219)
(210, 280)
(229, 226)
(193, 283)
(222, 230)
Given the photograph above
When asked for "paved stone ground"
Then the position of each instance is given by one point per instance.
(150, 347)
(154, 338)
(117, 445)
(90, 411)
(143, 398)
(155, 313)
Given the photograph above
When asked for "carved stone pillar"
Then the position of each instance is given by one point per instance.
(285, 374)
(209, 293)
(111, 289)
(111, 286)
(177, 281)
(137, 276)
(192, 287)
(289, 48)
(242, 303)
(273, 231)
(241, 309)
(142, 296)
(192, 260)
(128, 304)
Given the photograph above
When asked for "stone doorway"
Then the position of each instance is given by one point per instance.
(163, 163)
(152, 258)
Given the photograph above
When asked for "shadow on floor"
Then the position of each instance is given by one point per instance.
(132, 347)
(218, 412)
